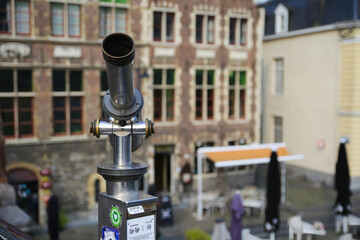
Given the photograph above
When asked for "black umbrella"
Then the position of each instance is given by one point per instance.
(342, 183)
(272, 220)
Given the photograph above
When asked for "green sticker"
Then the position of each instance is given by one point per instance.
(115, 216)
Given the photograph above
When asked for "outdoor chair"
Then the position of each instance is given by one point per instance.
(342, 223)
(208, 206)
(220, 203)
(298, 227)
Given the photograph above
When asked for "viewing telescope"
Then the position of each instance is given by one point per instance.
(124, 211)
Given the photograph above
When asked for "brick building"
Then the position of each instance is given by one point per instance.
(196, 64)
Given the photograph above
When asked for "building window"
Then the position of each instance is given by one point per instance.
(281, 19)
(112, 19)
(120, 20)
(16, 103)
(22, 17)
(164, 94)
(59, 20)
(237, 94)
(67, 102)
(5, 21)
(74, 20)
(279, 76)
(21, 13)
(278, 127)
(163, 29)
(204, 94)
(237, 31)
(105, 21)
(209, 165)
(205, 26)
(57, 23)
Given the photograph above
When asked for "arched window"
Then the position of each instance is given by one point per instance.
(281, 19)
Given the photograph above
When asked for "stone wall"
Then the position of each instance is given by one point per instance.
(71, 165)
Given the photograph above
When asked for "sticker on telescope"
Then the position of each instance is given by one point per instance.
(115, 216)
(135, 210)
(141, 228)
(110, 234)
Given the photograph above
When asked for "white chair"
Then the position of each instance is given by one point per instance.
(299, 227)
(342, 223)
(220, 203)
(295, 227)
(208, 206)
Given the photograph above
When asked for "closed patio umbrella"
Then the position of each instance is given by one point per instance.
(342, 182)
(272, 220)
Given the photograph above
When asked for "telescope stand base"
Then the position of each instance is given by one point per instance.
(132, 217)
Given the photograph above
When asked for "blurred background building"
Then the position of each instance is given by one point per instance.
(197, 66)
(311, 82)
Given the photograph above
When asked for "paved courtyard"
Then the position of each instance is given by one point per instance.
(312, 202)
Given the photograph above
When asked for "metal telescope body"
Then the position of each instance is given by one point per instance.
(124, 211)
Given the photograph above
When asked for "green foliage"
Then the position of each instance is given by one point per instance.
(196, 234)
(63, 218)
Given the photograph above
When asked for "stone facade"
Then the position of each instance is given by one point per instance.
(73, 159)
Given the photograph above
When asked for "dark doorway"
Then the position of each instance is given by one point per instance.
(25, 184)
(163, 167)
(162, 172)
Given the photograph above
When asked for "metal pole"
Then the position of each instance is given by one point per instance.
(199, 173)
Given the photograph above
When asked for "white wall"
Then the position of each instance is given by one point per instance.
(309, 104)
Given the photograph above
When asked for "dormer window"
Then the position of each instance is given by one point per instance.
(281, 19)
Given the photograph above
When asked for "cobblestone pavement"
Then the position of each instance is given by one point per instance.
(312, 202)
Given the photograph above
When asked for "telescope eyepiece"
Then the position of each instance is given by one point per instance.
(118, 49)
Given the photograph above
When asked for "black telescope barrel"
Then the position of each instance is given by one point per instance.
(118, 49)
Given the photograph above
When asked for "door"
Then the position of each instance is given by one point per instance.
(25, 184)
(162, 172)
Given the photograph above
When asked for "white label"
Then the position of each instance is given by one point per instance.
(164, 52)
(205, 53)
(236, 55)
(135, 210)
(142, 228)
(67, 52)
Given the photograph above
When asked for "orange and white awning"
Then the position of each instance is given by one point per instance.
(248, 154)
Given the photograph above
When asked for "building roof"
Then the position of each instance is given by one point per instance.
(310, 13)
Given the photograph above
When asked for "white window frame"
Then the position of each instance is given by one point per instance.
(281, 19)
(237, 31)
(205, 28)
(163, 87)
(66, 18)
(205, 87)
(279, 76)
(278, 129)
(15, 94)
(237, 89)
(164, 12)
(13, 20)
(67, 94)
(113, 6)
